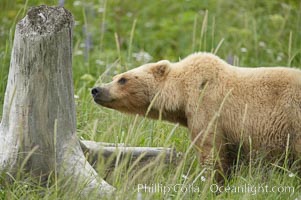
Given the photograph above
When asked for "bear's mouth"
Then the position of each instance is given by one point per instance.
(102, 100)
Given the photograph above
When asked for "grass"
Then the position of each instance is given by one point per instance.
(113, 36)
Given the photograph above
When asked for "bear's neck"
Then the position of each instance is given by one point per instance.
(177, 116)
(169, 101)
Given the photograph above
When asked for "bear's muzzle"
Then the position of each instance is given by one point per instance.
(101, 95)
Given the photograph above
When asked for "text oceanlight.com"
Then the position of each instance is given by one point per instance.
(252, 189)
(214, 188)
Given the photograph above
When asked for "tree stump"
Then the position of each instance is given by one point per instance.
(38, 128)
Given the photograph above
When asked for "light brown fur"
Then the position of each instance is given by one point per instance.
(223, 106)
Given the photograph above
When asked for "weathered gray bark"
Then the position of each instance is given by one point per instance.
(39, 121)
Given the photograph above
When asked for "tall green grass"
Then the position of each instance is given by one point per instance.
(113, 36)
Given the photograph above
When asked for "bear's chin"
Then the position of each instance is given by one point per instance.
(104, 105)
(104, 102)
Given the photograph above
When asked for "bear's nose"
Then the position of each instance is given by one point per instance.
(95, 91)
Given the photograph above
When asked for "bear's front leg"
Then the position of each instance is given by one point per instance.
(213, 157)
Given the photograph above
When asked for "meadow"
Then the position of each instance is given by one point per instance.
(112, 36)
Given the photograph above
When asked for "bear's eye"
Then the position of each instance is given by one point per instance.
(122, 81)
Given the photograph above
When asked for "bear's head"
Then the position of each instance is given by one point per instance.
(144, 90)
(133, 90)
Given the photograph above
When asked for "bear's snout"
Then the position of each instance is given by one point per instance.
(95, 91)
(101, 95)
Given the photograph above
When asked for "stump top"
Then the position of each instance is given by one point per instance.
(44, 19)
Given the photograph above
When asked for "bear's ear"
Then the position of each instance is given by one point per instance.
(160, 69)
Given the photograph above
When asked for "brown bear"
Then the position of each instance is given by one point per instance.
(227, 109)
